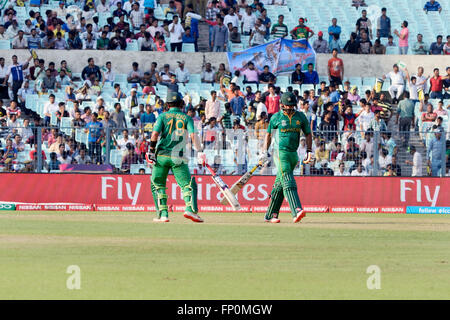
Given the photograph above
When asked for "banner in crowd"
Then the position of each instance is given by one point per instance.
(319, 192)
(280, 55)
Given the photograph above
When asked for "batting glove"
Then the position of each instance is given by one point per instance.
(264, 157)
(150, 156)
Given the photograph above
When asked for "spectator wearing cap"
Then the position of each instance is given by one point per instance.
(334, 29)
(435, 153)
(432, 5)
(320, 45)
(182, 74)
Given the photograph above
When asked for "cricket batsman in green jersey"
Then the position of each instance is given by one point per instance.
(173, 128)
(286, 126)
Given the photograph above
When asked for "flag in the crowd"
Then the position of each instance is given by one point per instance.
(280, 55)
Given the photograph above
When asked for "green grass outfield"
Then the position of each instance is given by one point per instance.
(231, 256)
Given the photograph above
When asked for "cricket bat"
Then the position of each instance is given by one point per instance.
(238, 185)
(223, 187)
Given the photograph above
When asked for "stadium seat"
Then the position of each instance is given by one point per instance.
(391, 50)
(132, 46)
(5, 45)
(120, 77)
(236, 47)
(188, 47)
(195, 78)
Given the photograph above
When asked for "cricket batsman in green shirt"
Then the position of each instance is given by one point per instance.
(173, 128)
(286, 126)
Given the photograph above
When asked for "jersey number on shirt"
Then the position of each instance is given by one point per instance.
(179, 130)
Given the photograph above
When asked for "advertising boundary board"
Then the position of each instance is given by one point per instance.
(87, 192)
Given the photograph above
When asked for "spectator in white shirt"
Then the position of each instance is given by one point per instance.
(212, 107)
(122, 142)
(367, 145)
(416, 163)
(12, 30)
(182, 73)
(258, 34)
(61, 10)
(128, 5)
(102, 7)
(155, 28)
(108, 75)
(248, 22)
(90, 43)
(384, 159)
(20, 42)
(208, 74)
(50, 108)
(136, 16)
(397, 83)
(176, 32)
(232, 18)
(365, 116)
(341, 170)
(359, 171)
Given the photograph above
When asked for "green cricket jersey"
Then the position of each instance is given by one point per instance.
(289, 129)
(173, 127)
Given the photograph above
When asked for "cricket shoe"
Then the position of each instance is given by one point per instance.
(192, 216)
(273, 220)
(300, 215)
(161, 219)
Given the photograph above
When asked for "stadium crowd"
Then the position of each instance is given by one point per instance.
(99, 116)
(175, 26)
